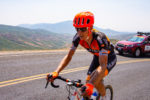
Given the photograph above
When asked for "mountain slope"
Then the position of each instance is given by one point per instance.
(45, 36)
(17, 38)
(67, 27)
(62, 27)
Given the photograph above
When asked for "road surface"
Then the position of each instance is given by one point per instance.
(22, 75)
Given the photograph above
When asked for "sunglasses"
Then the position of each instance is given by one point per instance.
(81, 29)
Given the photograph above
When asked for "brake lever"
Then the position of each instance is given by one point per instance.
(46, 84)
(48, 81)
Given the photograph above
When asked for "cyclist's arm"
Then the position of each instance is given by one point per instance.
(99, 73)
(68, 57)
(65, 61)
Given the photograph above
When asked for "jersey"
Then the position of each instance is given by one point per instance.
(99, 41)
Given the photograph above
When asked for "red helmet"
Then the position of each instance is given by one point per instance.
(83, 19)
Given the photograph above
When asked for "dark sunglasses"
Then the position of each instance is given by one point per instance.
(81, 29)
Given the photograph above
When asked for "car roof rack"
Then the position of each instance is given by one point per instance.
(143, 33)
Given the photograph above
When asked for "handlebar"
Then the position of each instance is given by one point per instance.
(74, 83)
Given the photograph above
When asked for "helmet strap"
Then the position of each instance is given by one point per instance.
(89, 31)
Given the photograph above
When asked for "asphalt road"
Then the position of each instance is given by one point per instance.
(22, 76)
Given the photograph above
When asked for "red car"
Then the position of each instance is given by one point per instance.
(137, 45)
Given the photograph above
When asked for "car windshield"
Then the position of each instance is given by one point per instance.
(136, 39)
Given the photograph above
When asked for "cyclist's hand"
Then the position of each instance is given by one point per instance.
(50, 77)
(87, 90)
(88, 78)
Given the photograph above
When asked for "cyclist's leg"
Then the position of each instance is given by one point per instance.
(100, 88)
(95, 63)
(93, 66)
(99, 85)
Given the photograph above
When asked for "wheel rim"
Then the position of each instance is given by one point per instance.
(137, 53)
(108, 94)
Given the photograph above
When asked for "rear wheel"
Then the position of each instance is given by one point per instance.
(109, 93)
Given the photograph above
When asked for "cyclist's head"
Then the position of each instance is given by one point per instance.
(83, 22)
(83, 19)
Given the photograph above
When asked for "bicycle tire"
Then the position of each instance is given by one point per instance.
(111, 92)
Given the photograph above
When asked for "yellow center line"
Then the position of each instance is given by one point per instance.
(132, 61)
(34, 77)
(21, 79)
(38, 75)
(43, 76)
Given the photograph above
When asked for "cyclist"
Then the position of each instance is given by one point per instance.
(99, 45)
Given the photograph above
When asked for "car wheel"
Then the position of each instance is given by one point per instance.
(120, 52)
(137, 52)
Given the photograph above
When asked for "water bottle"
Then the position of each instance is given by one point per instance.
(94, 95)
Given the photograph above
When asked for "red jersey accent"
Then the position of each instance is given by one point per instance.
(92, 48)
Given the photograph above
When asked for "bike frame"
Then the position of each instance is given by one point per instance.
(75, 95)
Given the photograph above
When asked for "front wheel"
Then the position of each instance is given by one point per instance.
(109, 93)
(120, 52)
(137, 52)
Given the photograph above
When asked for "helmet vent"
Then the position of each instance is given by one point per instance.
(75, 21)
(82, 21)
(88, 21)
(78, 21)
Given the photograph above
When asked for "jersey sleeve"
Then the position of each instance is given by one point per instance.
(103, 41)
(75, 42)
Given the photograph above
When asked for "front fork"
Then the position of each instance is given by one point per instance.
(76, 95)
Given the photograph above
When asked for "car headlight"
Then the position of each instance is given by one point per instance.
(129, 45)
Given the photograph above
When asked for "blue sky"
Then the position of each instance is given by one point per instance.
(120, 15)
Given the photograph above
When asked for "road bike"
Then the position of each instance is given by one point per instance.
(74, 90)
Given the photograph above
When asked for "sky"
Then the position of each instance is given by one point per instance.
(119, 15)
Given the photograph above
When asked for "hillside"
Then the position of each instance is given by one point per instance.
(18, 38)
(123, 36)
(67, 27)
(61, 27)
(46, 36)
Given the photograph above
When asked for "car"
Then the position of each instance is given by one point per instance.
(137, 45)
